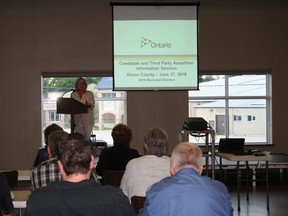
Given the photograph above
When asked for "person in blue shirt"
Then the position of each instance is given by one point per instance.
(186, 191)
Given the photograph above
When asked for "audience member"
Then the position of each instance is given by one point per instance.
(76, 195)
(79, 136)
(84, 122)
(42, 154)
(117, 157)
(6, 205)
(144, 171)
(48, 171)
(186, 191)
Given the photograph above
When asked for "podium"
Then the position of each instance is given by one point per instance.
(70, 106)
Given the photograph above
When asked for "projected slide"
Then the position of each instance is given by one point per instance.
(155, 53)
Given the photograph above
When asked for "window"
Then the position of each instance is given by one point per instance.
(108, 95)
(110, 107)
(237, 118)
(225, 98)
(251, 118)
(54, 116)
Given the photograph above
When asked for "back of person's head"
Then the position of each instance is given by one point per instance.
(77, 135)
(75, 155)
(54, 139)
(156, 142)
(186, 155)
(80, 136)
(48, 130)
(121, 134)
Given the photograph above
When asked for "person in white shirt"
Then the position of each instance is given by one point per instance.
(84, 122)
(141, 173)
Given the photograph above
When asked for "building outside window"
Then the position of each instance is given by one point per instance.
(54, 116)
(223, 99)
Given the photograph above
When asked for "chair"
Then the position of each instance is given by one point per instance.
(12, 178)
(137, 203)
(112, 177)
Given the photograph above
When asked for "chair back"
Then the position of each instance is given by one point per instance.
(12, 178)
(112, 177)
(137, 203)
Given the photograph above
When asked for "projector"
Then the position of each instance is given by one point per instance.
(195, 124)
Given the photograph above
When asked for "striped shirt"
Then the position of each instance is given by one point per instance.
(47, 171)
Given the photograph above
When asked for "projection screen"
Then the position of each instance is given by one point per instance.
(155, 47)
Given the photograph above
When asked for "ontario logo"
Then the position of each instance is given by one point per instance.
(147, 42)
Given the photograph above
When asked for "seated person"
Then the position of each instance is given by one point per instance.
(42, 154)
(117, 157)
(186, 191)
(6, 205)
(76, 195)
(144, 171)
(48, 171)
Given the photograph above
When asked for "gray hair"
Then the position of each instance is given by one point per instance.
(186, 154)
(156, 141)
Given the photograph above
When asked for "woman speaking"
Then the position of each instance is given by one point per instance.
(84, 122)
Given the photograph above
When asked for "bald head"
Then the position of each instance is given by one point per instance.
(186, 155)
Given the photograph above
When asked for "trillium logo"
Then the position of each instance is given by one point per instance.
(145, 42)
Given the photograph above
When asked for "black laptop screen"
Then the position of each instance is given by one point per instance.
(231, 145)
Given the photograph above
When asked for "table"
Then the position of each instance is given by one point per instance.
(247, 159)
(23, 175)
(20, 200)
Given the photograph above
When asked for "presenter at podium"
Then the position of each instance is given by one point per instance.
(84, 122)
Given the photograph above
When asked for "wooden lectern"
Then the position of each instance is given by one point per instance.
(71, 106)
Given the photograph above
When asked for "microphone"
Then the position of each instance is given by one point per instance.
(73, 90)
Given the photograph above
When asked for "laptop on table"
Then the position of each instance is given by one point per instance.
(233, 146)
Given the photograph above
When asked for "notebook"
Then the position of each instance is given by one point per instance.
(231, 145)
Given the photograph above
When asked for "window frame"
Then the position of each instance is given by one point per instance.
(85, 74)
(226, 97)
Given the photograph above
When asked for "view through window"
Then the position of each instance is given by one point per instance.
(110, 106)
(234, 106)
